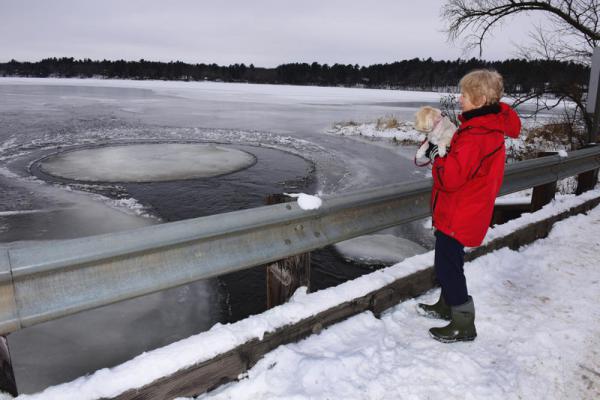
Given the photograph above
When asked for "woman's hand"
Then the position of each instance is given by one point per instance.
(432, 152)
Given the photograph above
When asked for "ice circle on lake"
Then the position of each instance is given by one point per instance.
(146, 162)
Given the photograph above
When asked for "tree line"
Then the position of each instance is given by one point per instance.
(521, 76)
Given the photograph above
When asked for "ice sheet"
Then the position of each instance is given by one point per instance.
(147, 162)
(379, 249)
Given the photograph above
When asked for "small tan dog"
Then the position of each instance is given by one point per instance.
(439, 129)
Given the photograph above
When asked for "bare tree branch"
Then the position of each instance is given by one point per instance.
(578, 17)
(572, 34)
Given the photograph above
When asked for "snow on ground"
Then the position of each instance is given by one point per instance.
(538, 319)
(534, 339)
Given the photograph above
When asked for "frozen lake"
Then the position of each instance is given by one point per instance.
(282, 128)
(41, 117)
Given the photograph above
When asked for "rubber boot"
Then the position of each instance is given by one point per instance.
(439, 310)
(462, 326)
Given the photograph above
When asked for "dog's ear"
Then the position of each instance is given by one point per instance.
(425, 118)
(423, 121)
(436, 113)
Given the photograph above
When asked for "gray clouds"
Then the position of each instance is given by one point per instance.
(262, 32)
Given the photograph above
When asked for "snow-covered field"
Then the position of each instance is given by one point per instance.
(538, 323)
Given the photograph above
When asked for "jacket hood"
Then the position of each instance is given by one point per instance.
(506, 120)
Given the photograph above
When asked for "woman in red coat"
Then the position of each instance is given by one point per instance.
(465, 185)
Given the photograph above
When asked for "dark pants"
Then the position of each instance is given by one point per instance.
(449, 261)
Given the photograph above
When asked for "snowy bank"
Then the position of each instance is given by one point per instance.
(392, 131)
(398, 132)
(539, 333)
(150, 366)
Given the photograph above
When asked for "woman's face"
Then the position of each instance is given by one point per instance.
(466, 104)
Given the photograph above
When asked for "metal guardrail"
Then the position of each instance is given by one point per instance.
(48, 281)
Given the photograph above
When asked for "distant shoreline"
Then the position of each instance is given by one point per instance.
(445, 90)
(521, 76)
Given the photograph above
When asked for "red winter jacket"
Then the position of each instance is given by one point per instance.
(467, 181)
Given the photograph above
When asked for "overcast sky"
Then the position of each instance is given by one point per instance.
(262, 32)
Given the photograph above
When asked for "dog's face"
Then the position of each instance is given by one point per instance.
(426, 117)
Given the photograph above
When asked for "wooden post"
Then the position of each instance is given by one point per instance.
(542, 195)
(587, 180)
(7, 375)
(287, 275)
(545, 193)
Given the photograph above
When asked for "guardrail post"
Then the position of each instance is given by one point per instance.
(543, 194)
(587, 180)
(7, 375)
(287, 275)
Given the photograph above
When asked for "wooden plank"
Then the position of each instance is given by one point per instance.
(505, 212)
(191, 381)
(402, 289)
(205, 376)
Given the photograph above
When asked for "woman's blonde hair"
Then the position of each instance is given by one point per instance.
(482, 83)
